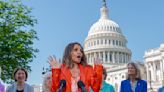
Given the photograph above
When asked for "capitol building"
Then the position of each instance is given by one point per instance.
(154, 63)
(106, 41)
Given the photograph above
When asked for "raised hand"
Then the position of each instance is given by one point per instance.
(97, 61)
(53, 62)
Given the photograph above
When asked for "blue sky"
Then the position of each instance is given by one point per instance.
(63, 21)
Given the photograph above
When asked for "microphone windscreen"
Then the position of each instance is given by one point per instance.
(80, 84)
(63, 82)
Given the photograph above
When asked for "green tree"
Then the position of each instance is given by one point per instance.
(17, 37)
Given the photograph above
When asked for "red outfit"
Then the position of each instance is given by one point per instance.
(91, 77)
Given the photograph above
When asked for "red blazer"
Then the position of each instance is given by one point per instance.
(92, 78)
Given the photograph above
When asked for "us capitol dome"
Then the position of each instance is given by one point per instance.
(106, 41)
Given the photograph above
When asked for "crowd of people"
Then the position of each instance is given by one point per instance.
(73, 74)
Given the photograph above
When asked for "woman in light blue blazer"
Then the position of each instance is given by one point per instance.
(20, 76)
(133, 83)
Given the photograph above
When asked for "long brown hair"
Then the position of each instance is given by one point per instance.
(67, 59)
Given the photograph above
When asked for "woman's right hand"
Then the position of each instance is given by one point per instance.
(97, 61)
(53, 62)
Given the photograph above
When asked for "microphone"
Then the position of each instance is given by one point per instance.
(61, 85)
(82, 86)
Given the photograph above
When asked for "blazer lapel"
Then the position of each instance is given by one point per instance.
(14, 87)
(82, 73)
(25, 88)
(138, 86)
(66, 74)
(128, 86)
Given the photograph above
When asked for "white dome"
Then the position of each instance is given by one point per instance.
(104, 26)
(106, 41)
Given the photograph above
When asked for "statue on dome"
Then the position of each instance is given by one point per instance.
(104, 3)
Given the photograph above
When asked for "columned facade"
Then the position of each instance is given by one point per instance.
(116, 75)
(108, 56)
(154, 61)
(106, 42)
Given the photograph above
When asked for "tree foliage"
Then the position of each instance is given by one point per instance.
(17, 37)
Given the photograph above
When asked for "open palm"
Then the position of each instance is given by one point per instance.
(97, 61)
(53, 62)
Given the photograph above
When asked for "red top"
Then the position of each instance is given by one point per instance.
(92, 78)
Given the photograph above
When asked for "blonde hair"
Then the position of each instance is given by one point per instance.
(138, 75)
(45, 80)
